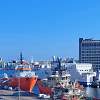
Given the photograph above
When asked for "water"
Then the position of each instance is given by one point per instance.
(93, 92)
(36, 90)
(8, 72)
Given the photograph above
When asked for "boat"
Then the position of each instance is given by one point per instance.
(59, 86)
(44, 96)
(57, 77)
(22, 78)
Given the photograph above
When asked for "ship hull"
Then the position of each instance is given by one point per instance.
(23, 83)
(43, 89)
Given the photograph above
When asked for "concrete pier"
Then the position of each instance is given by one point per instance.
(15, 95)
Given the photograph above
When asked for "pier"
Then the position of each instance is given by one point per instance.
(14, 95)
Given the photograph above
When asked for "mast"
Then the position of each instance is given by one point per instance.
(21, 58)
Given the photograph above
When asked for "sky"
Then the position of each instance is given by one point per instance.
(45, 28)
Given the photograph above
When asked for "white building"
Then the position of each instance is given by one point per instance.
(84, 68)
(81, 72)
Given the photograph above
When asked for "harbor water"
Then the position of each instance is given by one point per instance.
(93, 92)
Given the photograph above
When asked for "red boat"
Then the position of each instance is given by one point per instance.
(24, 79)
(43, 89)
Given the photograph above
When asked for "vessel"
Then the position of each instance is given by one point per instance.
(59, 86)
(57, 76)
(22, 78)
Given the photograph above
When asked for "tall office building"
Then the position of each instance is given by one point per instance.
(89, 52)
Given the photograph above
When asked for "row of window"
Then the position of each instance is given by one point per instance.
(90, 48)
(90, 56)
(84, 70)
(91, 60)
(91, 44)
(95, 63)
(90, 51)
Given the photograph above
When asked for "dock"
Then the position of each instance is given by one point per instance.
(15, 95)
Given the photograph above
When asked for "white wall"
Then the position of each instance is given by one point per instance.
(84, 68)
(79, 71)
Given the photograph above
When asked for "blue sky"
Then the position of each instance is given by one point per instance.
(43, 28)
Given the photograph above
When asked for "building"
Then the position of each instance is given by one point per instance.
(81, 72)
(79, 67)
(89, 52)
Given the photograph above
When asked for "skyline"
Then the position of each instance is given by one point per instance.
(42, 29)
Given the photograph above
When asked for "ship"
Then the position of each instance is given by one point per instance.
(59, 86)
(22, 77)
(58, 77)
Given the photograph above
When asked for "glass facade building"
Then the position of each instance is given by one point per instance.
(89, 52)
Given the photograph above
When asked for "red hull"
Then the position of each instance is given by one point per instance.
(24, 83)
(43, 89)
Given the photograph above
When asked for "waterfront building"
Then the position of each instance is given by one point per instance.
(84, 68)
(89, 52)
(81, 72)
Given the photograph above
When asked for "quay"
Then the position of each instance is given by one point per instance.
(14, 95)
